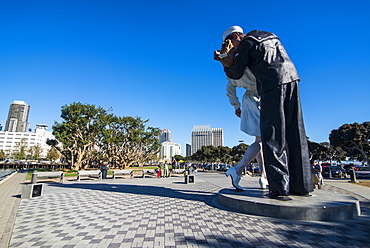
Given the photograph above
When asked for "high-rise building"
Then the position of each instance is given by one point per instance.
(204, 135)
(165, 136)
(18, 117)
(217, 137)
(188, 150)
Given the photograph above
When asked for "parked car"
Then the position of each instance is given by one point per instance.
(223, 167)
(323, 165)
(335, 171)
(349, 167)
(363, 172)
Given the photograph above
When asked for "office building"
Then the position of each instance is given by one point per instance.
(17, 117)
(188, 150)
(11, 141)
(204, 135)
(217, 137)
(165, 136)
(168, 150)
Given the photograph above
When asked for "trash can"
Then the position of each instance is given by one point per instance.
(104, 171)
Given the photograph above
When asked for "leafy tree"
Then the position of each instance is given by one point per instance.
(205, 154)
(354, 138)
(127, 140)
(20, 150)
(34, 152)
(237, 152)
(179, 157)
(220, 154)
(29, 153)
(78, 132)
(223, 154)
(317, 151)
(332, 153)
(53, 154)
(2, 155)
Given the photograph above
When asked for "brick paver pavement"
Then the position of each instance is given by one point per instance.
(164, 213)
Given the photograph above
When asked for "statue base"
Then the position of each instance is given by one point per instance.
(321, 205)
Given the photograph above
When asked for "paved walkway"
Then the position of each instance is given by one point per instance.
(164, 212)
(9, 202)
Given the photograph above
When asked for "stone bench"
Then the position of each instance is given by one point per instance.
(123, 172)
(89, 173)
(47, 174)
(178, 171)
(149, 172)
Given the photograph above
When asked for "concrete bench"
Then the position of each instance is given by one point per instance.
(123, 172)
(149, 172)
(47, 174)
(178, 171)
(89, 173)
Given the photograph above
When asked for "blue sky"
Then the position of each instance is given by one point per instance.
(154, 59)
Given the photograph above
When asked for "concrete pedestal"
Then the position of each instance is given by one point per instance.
(321, 206)
(189, 179)
(32, 190)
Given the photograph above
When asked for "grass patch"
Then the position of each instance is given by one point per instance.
(74, 173)
(365, 183)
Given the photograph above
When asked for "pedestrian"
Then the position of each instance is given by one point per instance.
(104, 171)
(317, 175)
(165, 170)
(159, 171)
(284, 141)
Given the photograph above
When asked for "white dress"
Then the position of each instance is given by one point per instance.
(251, 104)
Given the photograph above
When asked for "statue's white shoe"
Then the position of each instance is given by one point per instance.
(263, 183)
(235, 178)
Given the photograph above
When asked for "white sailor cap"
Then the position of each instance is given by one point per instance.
(233, 29)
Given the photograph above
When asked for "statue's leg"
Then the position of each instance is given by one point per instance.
(251, 153)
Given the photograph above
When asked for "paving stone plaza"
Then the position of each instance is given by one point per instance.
(166, 212)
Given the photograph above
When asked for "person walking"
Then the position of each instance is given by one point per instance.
(317, 175)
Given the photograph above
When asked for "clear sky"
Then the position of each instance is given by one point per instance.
(154, 59)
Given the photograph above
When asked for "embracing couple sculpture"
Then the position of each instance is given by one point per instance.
(270, 111)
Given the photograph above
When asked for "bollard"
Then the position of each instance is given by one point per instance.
(353, 176)
(34, 177)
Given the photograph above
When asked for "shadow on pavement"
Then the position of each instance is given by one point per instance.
(150, 190)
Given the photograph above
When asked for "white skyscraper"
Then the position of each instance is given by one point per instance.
(204, 135)
(217, 137)
(165, 136)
